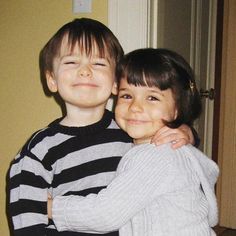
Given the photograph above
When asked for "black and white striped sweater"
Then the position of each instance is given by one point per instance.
(62, 160)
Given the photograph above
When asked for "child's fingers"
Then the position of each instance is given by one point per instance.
(166, 137)
(179, 143)
(162, 131)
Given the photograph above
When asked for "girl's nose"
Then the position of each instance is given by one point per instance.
(85, 72)
(136, 106)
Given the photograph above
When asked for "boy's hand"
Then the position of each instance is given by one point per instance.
(178, 137)
(49, 207)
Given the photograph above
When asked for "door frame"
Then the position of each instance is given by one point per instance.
(195, 62)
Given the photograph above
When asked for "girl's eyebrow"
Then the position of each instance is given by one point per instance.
(149, 90)
(156, 91)
(122, 89)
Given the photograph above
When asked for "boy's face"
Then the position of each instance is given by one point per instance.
(82, 81)
(140, 110)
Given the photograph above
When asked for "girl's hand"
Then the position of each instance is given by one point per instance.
(178, 137)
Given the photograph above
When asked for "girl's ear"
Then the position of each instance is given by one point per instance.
(51, 82)
(114, 90)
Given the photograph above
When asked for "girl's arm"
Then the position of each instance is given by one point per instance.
(144, 177)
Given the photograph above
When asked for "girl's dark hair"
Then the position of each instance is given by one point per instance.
(164, 69)
(85, 32)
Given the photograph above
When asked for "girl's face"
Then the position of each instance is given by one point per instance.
(140, 110)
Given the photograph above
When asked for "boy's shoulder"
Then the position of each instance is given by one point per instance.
(48, 131)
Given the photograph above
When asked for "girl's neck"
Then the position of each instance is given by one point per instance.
(142, 141)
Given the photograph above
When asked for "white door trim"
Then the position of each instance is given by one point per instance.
(128, 20)
(210, 82)
(195, 61)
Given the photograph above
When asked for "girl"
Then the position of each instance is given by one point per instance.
(157, 191)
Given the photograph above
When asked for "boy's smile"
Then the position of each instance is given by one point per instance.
(84, 85)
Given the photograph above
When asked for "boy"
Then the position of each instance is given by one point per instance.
(78, 153)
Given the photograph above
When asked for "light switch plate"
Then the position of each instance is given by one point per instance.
(82, 6)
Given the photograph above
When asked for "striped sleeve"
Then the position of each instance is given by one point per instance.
(28, 188)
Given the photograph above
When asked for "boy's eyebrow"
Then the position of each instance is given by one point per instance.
(97, 56)
(62, 56)
(77, 55)
(68, 55)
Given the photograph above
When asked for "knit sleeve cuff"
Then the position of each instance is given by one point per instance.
(59, 214)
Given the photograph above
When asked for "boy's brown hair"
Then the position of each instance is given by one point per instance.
(84, 32)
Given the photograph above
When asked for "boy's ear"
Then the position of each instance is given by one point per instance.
(51, 82)
(176, 113)
(114, 90)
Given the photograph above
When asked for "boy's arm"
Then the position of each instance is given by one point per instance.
(178, 137)
(28, 187)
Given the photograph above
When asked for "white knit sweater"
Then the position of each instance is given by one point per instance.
(157, 191)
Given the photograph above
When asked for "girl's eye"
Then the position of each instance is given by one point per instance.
(152, 98)
(125, 96)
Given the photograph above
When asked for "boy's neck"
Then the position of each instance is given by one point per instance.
(83, 117)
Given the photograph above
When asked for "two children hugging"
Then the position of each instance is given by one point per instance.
(76, 154)
(157, 190)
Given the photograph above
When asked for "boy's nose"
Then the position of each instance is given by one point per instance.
(85, 71)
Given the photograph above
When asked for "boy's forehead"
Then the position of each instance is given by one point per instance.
(79, 47)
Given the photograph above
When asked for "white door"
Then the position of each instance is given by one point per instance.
(185, 26)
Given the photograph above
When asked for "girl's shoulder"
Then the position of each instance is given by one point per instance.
(164, 152)
(148, 153)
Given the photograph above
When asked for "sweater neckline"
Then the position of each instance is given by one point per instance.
(83, 130)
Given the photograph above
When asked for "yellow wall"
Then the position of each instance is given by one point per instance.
(25, 26)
